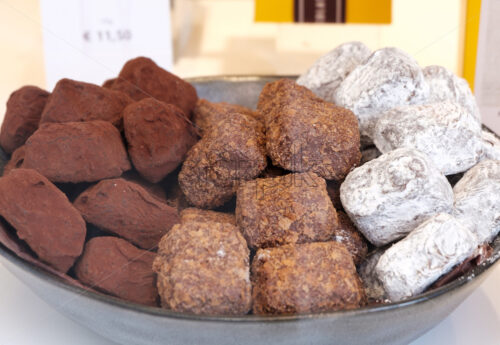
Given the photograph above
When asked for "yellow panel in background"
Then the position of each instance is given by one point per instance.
(280, 11)
(471, 36)
(368, 11)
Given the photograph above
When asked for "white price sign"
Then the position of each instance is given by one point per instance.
(90, 40)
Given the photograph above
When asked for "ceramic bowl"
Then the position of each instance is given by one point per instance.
(129, 323)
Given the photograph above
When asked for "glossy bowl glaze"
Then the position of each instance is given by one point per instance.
(129, 323)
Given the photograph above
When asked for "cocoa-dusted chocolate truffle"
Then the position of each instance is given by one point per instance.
(305, 133)
(142, 77)
(108, 83)
(128, 210)
(347, 234)
(74, 101)
(207, 114)
(16, 160)
(192, 214)
(116, 267)
(305, 278)
(24, 109)
(203, 268)
(294, 208)
(154, 189)
(43, 217)
(230, 152)
(158, 136)
(76, 151)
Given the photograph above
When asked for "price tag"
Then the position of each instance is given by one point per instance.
(90, 40)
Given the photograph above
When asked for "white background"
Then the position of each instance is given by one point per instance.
(27, 320)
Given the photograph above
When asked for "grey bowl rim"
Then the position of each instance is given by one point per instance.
(160, 312)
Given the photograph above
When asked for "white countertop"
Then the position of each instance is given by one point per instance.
(27, 320)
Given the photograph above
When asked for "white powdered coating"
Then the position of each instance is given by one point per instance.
(491, 145)
(477, 200)
(445, 131)
(389, 196)
(373, 286)
(326, 74)
(428, 252)
(445, 85)
(387, 79)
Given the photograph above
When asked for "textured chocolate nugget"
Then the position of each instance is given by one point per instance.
(74, 101)
(203, 268)
(76, 151)
(347, 234)
(116, 267)
(142, 78)
(305, 133)
(43, 217)
(158, 137)
(294, 208)
(207, 114)
(192, 214)
(232, 151)
(22, 117)
(305, 278)
(126, 209)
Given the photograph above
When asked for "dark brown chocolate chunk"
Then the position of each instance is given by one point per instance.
(126, 209)
(231, 152)
(74, 101)
(305, 278)
(142, 77)
(158, 137)
(118, 268)
(207, 114)
(24, 109)
(347, 234)
(306, 133)
(16, 160)
(203, 268)
(76, 151)
(294, 208)
(43, 217)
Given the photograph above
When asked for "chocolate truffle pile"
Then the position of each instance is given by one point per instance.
(140, 190)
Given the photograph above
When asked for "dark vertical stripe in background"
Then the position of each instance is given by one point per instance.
(319, 11)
